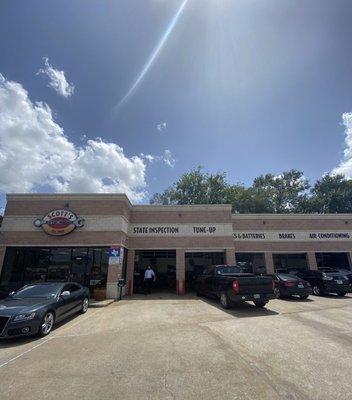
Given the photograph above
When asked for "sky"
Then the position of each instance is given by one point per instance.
(127, 95)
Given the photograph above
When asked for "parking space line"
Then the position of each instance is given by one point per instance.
(23, 353)
(47, 340)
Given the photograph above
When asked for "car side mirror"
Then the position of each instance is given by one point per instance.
(11, 293)
(65, 294)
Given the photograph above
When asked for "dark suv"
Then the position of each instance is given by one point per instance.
(326, 282)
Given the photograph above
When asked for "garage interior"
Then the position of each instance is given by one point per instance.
(163, 263)
(196, 261)
(332, 260)
(287, 263)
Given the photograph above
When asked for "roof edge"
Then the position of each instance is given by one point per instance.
(291, 216)
(67, 196)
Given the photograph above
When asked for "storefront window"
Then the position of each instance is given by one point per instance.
(36, 263)
(252, 262)
(60, 265)
(98, 260)
(12, 271)
(290, 262)
(80, 264)
(79, 270)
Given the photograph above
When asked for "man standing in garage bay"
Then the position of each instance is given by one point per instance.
(149, 278)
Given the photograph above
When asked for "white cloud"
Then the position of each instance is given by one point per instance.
(161, 127)
(167, 158)
(345, 166)
(57, 79)
(36, 154)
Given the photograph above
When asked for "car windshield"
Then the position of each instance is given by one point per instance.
(332, 273)
(288, 277)
(45, 291)
(229, 270)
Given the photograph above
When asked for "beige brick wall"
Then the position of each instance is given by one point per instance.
(274, 222)
(269, 262)
(130, 270)
(230, 256)
(288, 247)
(79, 205)
(180, 242)
(311, 260)
(75, 238)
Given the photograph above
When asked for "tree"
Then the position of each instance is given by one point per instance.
(195, 187)
(285, 192)
(330, 194)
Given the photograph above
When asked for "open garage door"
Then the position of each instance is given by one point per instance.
(332, 260)
(163, 263)
(196, 261)
(290, 263)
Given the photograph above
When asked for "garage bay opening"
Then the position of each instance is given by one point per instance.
(195, 263)
(162, 262)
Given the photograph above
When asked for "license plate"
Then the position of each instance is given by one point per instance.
(300, 286)
(257, 296)
(339, 282)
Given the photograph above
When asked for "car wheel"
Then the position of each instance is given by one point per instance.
(260, 304)
(224, 300)
(277, 293)
(47, 324)
(341, 294)
(85, 305)
(304, 296)
(316, 291)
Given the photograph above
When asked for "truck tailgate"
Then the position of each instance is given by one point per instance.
(255, 284)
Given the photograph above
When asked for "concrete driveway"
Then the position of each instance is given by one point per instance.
(169, 347)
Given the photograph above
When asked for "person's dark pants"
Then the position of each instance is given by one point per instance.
(149, 285)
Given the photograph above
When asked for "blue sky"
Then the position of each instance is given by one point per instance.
(246, 87)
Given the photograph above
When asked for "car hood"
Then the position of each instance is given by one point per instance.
(11, 306)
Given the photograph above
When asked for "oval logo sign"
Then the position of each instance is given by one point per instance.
(59, 222)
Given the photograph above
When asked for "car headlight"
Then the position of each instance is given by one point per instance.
(25, 317)
(328, 278)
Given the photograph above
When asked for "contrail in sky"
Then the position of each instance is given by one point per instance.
(153, 56)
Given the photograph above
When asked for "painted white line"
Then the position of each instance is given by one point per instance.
(22, 354)
(46, 340)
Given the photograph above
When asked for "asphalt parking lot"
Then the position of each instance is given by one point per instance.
(169, 347)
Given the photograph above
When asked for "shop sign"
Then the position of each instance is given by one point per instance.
(116, 255)
(298, 236)
(59, 222)
(181, 230)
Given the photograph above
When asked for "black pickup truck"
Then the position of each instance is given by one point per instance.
(231, 285)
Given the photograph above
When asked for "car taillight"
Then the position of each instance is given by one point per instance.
(289, 284)
(236, 286)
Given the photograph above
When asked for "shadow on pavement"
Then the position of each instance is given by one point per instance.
(297, 299)
(242, 310)
(18, 341)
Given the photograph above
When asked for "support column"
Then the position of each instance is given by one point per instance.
(349, 259)
(130, 271)
(312, 261)
(269, 262)
(230, 256)
(2, 257)
(180, 271)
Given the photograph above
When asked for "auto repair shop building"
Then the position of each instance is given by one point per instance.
(96, 239)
